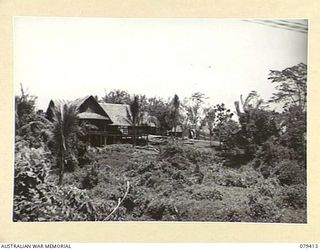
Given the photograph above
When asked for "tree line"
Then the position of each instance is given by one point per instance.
(190, 113)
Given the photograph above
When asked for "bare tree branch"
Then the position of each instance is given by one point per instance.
(119, 202)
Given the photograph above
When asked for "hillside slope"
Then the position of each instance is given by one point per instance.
(181, 182)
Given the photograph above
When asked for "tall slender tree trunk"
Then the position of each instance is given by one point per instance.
(62, 167)
(175, 129)
(63, 149)
(134, 135)
(219, 136)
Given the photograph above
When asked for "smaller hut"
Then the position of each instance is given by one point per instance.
(179, 132)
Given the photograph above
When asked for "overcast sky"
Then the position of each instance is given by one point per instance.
(67, 58)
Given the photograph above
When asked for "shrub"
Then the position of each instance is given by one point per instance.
(263, 209)
(201, 192)
(244, 177)
(71, 163)
(265, 201)
(170, 150)
(71, 204)
(155, 210)
(290, 173)
(92, 178)
(296, 196)
(234, 157)
(271, 152)
(31, 169)
(269, 201)
(274, 159)
(36, 194)
(233, 216)
(84, 157)
(269, 187)
(190, 154)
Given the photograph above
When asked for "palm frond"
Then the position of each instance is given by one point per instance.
(65, 123)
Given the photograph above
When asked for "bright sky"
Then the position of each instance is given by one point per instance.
(67, 58)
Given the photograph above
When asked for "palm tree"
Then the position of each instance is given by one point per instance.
(65, 122)
(176, 105)
(209, 120)
(250, 107)
(134, 116)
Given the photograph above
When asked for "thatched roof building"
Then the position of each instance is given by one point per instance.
(112, 121)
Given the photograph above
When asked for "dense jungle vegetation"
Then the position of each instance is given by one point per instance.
(247, 166)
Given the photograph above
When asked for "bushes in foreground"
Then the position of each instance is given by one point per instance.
(160, 189)
(36, 194)
(177, 189)
(192, 154)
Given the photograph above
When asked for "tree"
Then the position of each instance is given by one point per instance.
(222, 122)
(209, 120)
(193, 107)
(294, 127)
(143, 103)
(250, 107)
(226, 130)
(117, 96)
(31, 126)
(176, 106)
(257, 123)
(65, 121)
(292, 93)
(292, 86)
(160, 109)
(218, 120)
(134, 116)
(24, 108)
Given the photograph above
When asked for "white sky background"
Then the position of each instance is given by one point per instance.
(67, 58)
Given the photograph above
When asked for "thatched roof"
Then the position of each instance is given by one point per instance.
(79, 101)
(88, 108)
(92, 116)
(118, 113)
(149, 120)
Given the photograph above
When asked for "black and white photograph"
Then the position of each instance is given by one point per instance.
(160, 120)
